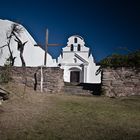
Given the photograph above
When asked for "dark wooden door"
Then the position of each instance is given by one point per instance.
(75, 77)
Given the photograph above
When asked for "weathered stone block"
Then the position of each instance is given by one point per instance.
(126, 82)
(117, 83)
(52, 77)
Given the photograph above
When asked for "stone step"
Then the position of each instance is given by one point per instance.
(74, 87)
(76, 90)
(82, 89)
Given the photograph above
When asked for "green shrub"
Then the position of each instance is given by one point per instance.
(5, 75)
(117, 60)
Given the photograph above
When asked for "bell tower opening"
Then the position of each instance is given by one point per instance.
(79, 47)
(75, 40)
(72, 48)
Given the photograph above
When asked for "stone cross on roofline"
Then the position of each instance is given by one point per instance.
(47, 45)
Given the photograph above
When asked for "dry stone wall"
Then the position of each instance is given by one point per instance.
(31, 76)
(121, 82)
(115, 82)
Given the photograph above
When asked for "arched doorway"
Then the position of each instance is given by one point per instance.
(75, 75)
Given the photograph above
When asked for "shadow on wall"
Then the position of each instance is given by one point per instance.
(94, 88)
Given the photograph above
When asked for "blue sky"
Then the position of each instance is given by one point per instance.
(106, 25)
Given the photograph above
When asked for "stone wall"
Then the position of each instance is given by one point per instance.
(121, 82)
(115, 82)
(31, 76)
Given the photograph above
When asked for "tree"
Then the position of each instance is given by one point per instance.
(116, 60)
(13, 33)
(21, 49)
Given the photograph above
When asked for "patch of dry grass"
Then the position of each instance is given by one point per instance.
(38, 116)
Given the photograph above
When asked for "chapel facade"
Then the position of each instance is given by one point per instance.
(78, 63)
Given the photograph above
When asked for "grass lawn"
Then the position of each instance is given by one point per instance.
(39, 116)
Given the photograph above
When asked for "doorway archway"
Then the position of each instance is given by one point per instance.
(75, 75)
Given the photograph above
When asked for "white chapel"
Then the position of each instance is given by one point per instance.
(78, 63)
(76, 60)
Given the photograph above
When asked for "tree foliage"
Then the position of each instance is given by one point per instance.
(117, 60)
